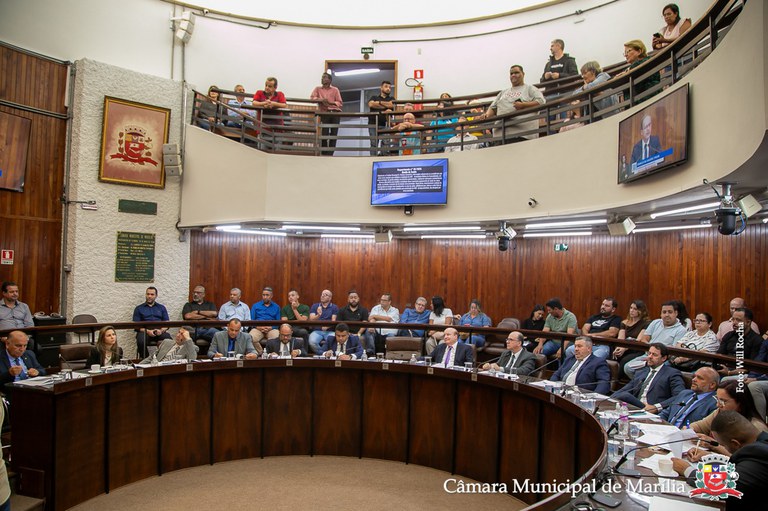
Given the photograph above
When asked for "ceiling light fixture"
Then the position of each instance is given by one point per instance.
(293, 227)
(352, 236)
(239, 230)
(552, 234)
(354, 72)
(228, 228)
(426, 228)
(566, 223)
(453, 237)
(673, 228)
(687, 209)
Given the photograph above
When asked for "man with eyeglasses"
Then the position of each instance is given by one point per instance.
(16, 361)
(515, 359)
(419, 314)
(286, 345)
(727, 325)
(265, 310)
(201, 310)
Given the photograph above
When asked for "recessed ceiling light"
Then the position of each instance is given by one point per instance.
(687, 209)
(672, 228)
(295, 227)
(566, 223)
(551, 234)
(426, 228)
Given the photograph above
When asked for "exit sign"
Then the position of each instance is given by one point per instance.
(561, 247)
(366, 50)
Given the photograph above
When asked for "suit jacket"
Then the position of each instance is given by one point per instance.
(94, 357)
(524, 365)
(353, 346)
(297, 343)
(29, 358)
(697, 411)
(667, 384)
(654, 147)
(593, 375)
(188, 350)
(220, 344)
(463, 354)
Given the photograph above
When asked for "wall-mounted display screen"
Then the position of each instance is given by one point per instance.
(410, 183)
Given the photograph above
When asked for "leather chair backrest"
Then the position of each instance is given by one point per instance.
(540, 361)
(613, 365)
(498, 339)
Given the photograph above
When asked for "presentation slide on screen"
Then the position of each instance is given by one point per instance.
(415, 182)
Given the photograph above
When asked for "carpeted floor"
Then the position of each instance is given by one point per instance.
(299, 482)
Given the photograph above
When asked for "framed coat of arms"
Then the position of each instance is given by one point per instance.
(132, 141)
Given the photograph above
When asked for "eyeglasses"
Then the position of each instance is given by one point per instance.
(700, 321)
(719, 401)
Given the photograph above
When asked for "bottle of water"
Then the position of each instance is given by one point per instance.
(364, 357)
(413, 358)
(623, 421)
(154, 361)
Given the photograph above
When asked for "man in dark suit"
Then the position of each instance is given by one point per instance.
(515, 359)
(696, 403)
(232, 339)
(343, 345)
(655, 386)
(585, 370)
(16, 361)
(451, 352)
(286, 344)
(649, 145)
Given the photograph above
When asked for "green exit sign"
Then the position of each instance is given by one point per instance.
(366, 50)
(561, 247)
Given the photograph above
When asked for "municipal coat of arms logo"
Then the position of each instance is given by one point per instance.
(134, 146)
(716, 478)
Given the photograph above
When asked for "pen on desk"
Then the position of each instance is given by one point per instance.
(696, 449)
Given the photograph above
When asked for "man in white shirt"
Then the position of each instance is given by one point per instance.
(727, 325)
(384, 312)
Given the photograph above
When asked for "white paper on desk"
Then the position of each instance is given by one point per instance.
(666, 504)
(652, 461)
(37, 381)
(644, 416)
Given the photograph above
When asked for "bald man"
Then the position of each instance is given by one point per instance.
(451, 352)
(16, 361)
(727, 325)
(696, 403)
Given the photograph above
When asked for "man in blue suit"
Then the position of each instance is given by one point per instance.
(451, 352)
(16, 361)
(655, 386)
(343, 345)
(584, 370)
(696, 403)
(649, 145)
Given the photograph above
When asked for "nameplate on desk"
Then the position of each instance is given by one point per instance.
(430, 370)
(474, 376)
(189, 367)
(552, 398)
(88, 381)
(385, 366)
(289, 363)
(239, 363)
(337, 363)
(139, 373)
(515, 386)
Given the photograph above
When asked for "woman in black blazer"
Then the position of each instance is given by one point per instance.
(106, 352)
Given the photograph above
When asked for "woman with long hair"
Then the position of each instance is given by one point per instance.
(440, 315)
(636, 321)
(106, 352)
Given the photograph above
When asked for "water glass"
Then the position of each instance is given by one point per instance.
(614, 446)
(628, 450)
(230, 355)
(427, 361)
(468, 366)
(587, 403)
(380, 357)
(634, 431)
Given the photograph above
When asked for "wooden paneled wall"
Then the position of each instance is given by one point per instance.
(701, 267)
(31, 221)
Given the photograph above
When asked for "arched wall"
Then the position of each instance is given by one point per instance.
(569, 173)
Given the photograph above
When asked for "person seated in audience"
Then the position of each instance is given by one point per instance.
(234, 308)
(702, 338)
(409, 141)
(440, 315)
(654, 386)
(674, 27)
(571, 115)
(383, 312)
(198, 309)
(353, 311)
(180, 347)
(749, 448)
(533, 322)
(238, 102)
(727, 325)
(515, 359)
(727, 398)
(666, 330)
(294, 310)
(233, 339)
(477, 318)
(559, 319)
(451, 352)
(206, 109)
(695, 403)
(265, 310)
(286, 345)
(682, 315)
(630, 329)
(476, 112)
(560, 64)
(270, 100)
(106, 352)
(463, 140)
(329, 105)
(150, 310)
(342, 345)
(593, 75)
(16, 361)
(605, 324)
(442, 118)
(14, 313)
(636, 54)
(518, 97)
(583, 370)
(742, 332)
(324, 310)
(419, 314)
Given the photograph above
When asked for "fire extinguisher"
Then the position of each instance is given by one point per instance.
(418, 92)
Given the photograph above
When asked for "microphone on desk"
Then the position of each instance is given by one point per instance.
(565, 388)
(634, 473)
(536, 370)
(64, 361)
(491, 361)
(598, 403)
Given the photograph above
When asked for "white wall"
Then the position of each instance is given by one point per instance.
(136, 36)
(91, 286)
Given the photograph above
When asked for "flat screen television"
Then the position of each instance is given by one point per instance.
(410, 183)
(655, 138)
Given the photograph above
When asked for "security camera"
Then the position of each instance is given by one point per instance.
(532, 202)
(504, 235)
(206, 12)
(726, 220)
(503, 243)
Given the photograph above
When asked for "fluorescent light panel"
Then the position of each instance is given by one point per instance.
(354, 236)
(566, 223)
(551, 234)
(238, 230)
(672, 228)
(353, 72)
(228, 228)
(426, 228)
(293, 227)
(688, 209)
(453, 237)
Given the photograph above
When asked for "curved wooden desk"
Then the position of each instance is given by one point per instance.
(89, 436)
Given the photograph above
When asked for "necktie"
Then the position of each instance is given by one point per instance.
(23, 374)
(341, 348)
(646, 383)
(680, 415)
(448, 356)
(231, 345)
(512, 361)
(285, 349)
(570, 377)
(645, 151)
